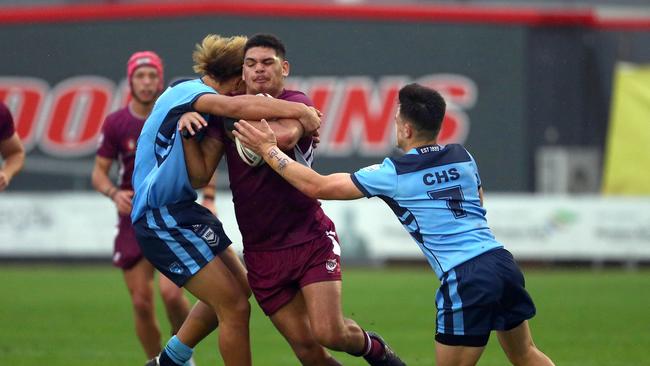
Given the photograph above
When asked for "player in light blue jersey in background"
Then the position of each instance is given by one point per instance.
(435, 192)
(181, 238)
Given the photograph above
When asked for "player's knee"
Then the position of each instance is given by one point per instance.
(172, 295)
(143, 305)
(523, 356)
(329, 336)
(236, 310)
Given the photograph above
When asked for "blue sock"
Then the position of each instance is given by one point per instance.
(175, 353)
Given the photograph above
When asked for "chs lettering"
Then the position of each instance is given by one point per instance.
(442, 176)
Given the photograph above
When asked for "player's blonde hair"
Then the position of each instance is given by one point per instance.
(219, 57)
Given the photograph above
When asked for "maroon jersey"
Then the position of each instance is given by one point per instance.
(120, 133)
(6, 123)
(271, 213)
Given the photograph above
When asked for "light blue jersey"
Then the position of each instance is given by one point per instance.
(160, 175)
(433, 191)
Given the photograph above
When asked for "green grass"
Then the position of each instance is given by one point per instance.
(55, 315)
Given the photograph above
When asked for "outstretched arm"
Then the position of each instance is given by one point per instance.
(337, 186)
(287, 132)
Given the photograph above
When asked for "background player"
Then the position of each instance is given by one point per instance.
(436, 193)
(182, 239)
(11, 149)
(119, 135)
(291, 248)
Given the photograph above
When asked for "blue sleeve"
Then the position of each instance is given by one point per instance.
(475, 166)
(377, 180)
(185, 94)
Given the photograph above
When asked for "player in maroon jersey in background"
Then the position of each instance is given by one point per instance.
(291, 247)
(120, 133)
(12, 151)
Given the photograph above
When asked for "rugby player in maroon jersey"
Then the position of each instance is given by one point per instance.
(120, 133)
(291, 249)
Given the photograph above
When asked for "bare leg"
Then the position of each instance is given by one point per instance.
(293, 323)
(176, 304)
(323, 301)
(457, 355)
(215, 285)
(139, 281)
(201, 321)
(236, 267)
(518, 345)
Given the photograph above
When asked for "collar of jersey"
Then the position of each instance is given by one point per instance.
(415, 150)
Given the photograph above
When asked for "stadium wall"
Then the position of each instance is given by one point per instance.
(518, 79)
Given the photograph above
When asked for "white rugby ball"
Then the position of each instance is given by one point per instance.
(247, 155)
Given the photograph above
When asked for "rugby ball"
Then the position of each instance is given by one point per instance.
(247, 155)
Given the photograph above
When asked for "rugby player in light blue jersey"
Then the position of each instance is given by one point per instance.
(435, 192)
(181, 238)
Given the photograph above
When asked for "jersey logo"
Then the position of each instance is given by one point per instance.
(207, 234)
(176, 268)
(210, 237)
(130, 145)
(330, 265)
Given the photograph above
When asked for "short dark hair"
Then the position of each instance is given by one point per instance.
(268, 41)
(422, 106)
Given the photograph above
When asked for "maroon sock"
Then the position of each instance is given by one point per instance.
(376, 350)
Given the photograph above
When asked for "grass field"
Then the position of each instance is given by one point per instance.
(56, 315)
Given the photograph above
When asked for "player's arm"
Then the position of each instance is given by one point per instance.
(287, 132)
(337, 186)
(13, 153)
(209, 193)
(103, 184)
(480, 195)
(255, 108)
(201, 157)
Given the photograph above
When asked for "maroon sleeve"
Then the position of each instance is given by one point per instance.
(295, 96)
(215, 128)
(6, 123)
(108, 144)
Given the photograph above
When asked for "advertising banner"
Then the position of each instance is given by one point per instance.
(61, 88)
(535, 228)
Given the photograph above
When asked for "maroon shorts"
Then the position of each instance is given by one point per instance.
(275, 276)
(126, 252)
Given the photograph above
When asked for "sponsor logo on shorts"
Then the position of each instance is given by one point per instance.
(176, 268)
(210, 237)
(116, 257)
(206, 233)
(330, 265)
